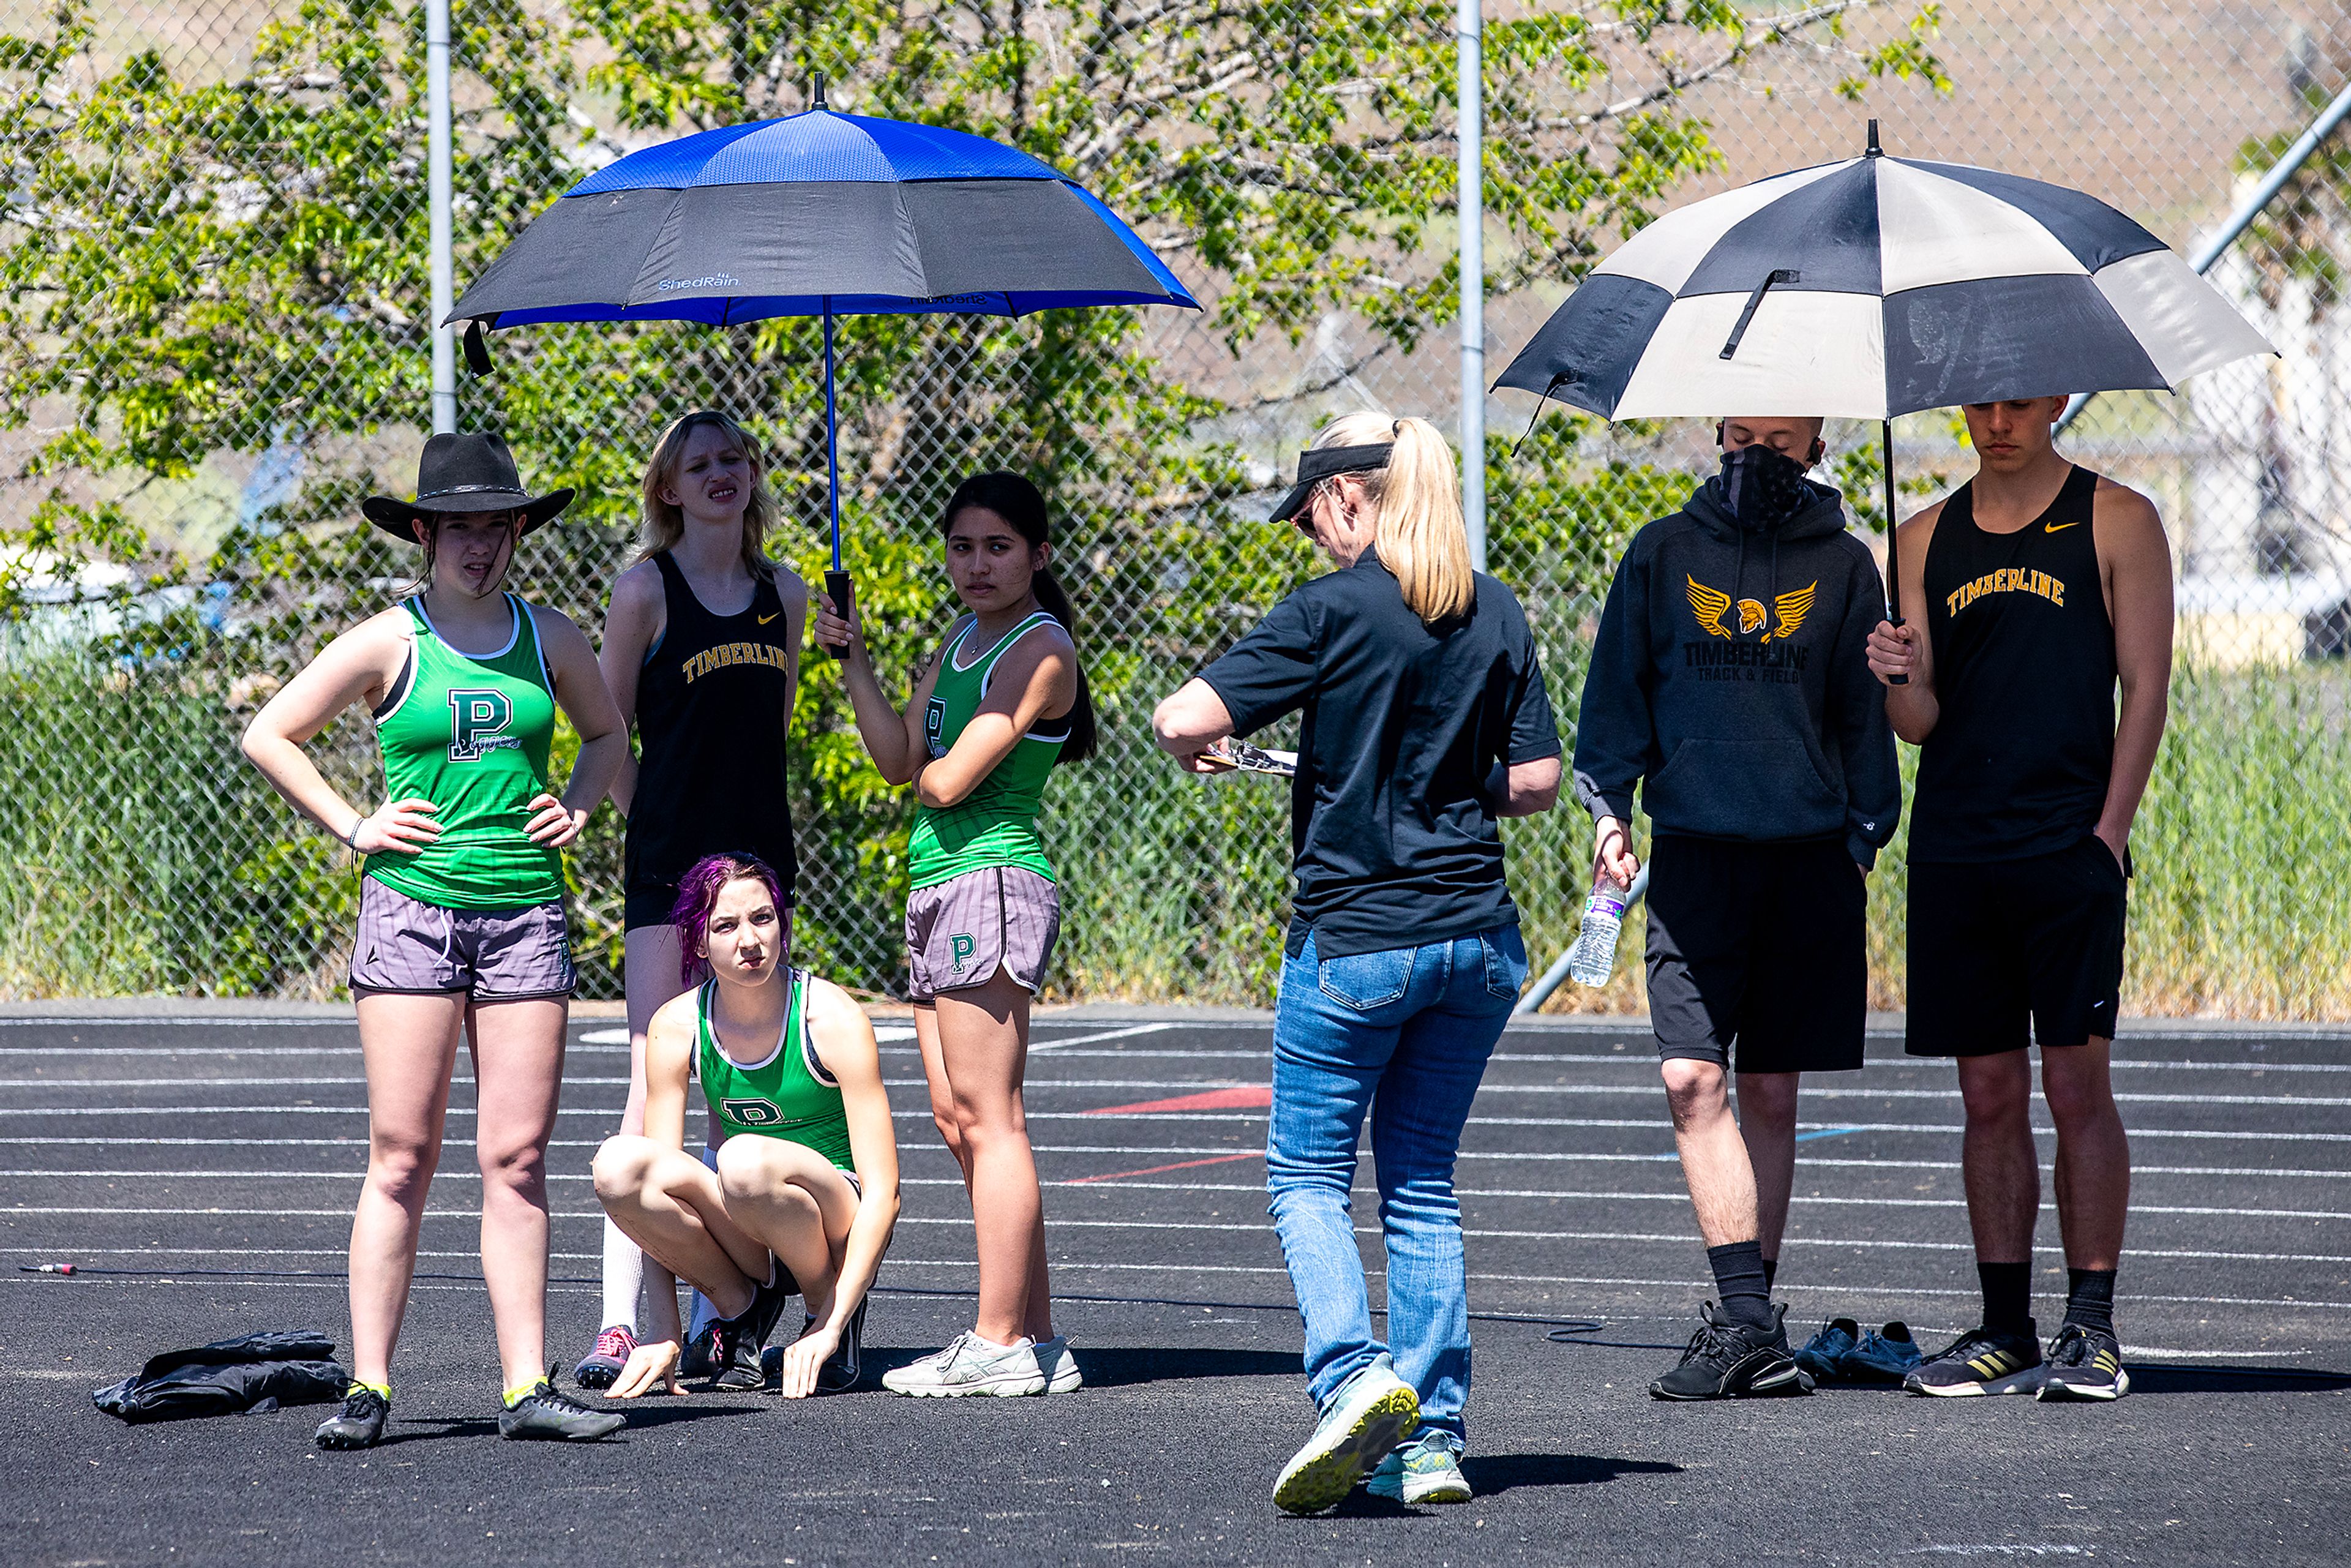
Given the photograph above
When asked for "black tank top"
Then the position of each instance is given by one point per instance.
(711, 718)
(2025, 674)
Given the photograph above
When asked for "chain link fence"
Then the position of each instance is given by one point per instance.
(214, 340)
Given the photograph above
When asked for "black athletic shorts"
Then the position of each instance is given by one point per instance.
(2004, 953)
(647, 903)
(1764, 946)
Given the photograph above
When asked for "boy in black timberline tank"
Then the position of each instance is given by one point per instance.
(2039, 587)
(1729, 682)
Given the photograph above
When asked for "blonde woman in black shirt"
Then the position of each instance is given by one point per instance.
(1425, 721)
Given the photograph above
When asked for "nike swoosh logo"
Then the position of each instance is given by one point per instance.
(765, 619)
(2059, 527)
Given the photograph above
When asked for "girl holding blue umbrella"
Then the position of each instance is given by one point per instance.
(996, 709)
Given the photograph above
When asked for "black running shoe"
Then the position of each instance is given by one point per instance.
(739, 1339)
(2083, 1364)
(1981, 1361)
(845, 1365)
(548, 1415)
(1725, 1360)
(359, 1424)
(699, 1361)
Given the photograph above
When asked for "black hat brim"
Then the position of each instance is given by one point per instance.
(394, 515)
(1328, 463)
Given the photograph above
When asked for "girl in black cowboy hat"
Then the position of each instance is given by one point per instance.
(461, 919)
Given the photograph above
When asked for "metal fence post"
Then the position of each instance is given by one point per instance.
(1470, 36)
(437, 176)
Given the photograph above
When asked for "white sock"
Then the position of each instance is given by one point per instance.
(624, 1278)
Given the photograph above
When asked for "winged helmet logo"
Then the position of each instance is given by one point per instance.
(1711, 606)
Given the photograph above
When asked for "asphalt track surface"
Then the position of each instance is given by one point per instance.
(213, 1161)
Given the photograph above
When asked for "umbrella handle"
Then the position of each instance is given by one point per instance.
(1893, 561)
(843, 594)
(836, 580)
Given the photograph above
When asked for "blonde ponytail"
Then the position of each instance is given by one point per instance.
(1420, 536)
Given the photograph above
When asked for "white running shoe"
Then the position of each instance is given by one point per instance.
(1428, 1471)
(970, 1365)
(1060, 1368)
(1370, 1415)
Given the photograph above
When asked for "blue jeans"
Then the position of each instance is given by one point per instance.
(1404, 1033)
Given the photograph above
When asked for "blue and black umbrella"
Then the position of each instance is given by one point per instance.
(816, 214)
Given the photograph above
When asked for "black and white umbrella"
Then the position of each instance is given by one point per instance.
(1874, 287)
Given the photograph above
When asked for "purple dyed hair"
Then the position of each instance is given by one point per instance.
(697, 894)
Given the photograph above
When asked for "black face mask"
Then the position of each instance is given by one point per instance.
(1765, 488)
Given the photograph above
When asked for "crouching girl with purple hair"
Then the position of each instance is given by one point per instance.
(804, 1192)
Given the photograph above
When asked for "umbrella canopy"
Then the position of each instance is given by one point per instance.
(1879, 287)
(814, 214)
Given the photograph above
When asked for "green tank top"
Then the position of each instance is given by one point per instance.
(996, 824)
(471, 735)
(785, 1095)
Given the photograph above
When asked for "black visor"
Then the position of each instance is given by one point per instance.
(1329, 462)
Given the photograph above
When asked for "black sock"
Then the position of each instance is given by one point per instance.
(2007, 1296)
(1738, 1283)
(1770, 1275)
(2090, 1299)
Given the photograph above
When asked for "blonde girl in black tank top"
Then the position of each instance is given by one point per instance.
(700, 651)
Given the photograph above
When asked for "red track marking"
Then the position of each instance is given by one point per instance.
(1179, 1166)
(1239, 1096)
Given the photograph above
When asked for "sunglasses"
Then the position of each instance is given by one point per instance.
(1304, 518)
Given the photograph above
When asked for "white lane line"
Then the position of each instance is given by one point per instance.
(1674, 1238)
(1036, 1046)
(1193, 1117)
(79, 1052)
(600, 1042)
(159, 1020)
(1064, 1263)
(1201, 1085)
(463, 1174)
(1150, 1150)
(1892, 1064)
(1131, 1117)
(1841, 1290)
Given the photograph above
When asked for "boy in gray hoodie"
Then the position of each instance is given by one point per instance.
(1729, 682)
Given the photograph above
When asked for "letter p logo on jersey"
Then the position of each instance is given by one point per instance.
(477, 719)
(960, 947)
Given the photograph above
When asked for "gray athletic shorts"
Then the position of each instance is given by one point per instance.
(410, 948)
(959, 932)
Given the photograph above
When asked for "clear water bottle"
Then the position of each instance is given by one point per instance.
(1593, 958)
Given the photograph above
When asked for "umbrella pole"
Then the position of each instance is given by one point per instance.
(836, 581)
(1893, 562)
(831, 442)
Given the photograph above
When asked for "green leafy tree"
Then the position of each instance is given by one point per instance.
(196, 267)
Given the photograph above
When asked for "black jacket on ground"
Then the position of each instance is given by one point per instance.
(1728, 681)
(258, 1372)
